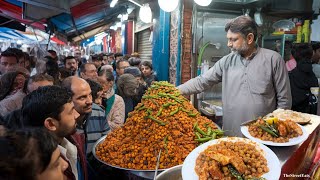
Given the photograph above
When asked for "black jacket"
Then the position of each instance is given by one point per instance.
(302, 79)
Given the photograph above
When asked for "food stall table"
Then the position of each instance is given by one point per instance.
(296, 160)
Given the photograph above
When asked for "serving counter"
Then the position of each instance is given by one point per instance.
(296, 160)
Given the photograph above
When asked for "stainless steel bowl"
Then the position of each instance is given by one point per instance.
(173, 173)
(149, 174)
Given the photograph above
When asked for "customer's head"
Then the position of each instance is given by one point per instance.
(52, 69)
(8, 60)
(316, 52)
(96, 91)
(71, 63)
(50, 107)
(301, 52)
(134, 71)
(88, 71)
(146, 68)
(118, 56)
(127, 85)
(121, 65)
(242, 33)
(106, 79)
(96, 60)
(81, 94)
(31, 154)
(134, 61)
(10, 82)
(39, 80)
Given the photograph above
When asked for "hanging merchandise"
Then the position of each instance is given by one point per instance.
(203, 2)
(306, 31)
(299, 32)
(145, 13)
(168, 7)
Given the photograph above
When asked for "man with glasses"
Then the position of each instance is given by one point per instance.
(254, 80)
(120, 66)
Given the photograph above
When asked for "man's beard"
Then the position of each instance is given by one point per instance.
(65, 132)
(242, 50)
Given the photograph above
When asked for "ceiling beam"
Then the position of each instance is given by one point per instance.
(91, 33)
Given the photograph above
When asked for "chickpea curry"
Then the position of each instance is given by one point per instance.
(275, 130)
(164, 120)
(231, 160)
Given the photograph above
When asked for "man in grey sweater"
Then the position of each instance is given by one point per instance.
(254, 80)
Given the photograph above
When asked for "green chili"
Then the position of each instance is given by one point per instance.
(163, 84)
(218, 132)
(168, 104)
(165, 140)
(201, 140)
(149, 111)
(159, 112)
(155, 86)
(209, 131)
(197, 135)
(184, 110)
(266, 129)
(154, 102)
(195, 124)
(174, 111)
(141, 108)
(214, 135)
(149, 97)
(200, 131)
(192, 114)
(234, 172)
(156, 120)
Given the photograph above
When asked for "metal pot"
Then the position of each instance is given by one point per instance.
(173, 173)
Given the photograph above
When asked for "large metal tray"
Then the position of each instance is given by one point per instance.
(149, 174)
(118, 167)
(139, 172)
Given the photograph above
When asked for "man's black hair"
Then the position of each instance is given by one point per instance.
(10, 52)
(25, 153)
(45, 102)
(68, 57)
(95, 88)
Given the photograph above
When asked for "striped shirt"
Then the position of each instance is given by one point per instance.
(96, 127)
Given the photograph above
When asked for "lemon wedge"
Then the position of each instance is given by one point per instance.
(272, 120)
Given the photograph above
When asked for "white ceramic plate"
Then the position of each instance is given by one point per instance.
(188, 168)
(291, 142)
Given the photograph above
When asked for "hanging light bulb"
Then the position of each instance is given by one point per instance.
(113, 3)
(203, 2)
(145, 13)
(168, 7)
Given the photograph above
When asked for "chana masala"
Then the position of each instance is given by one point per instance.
(231, 160)
(278, 131)
(163, 120)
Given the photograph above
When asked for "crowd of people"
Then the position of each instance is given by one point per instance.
(52, 111)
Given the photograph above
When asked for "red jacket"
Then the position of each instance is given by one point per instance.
(78, 140)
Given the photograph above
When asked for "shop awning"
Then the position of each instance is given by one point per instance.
(56, 40)
(11, 23)
(7, 33)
